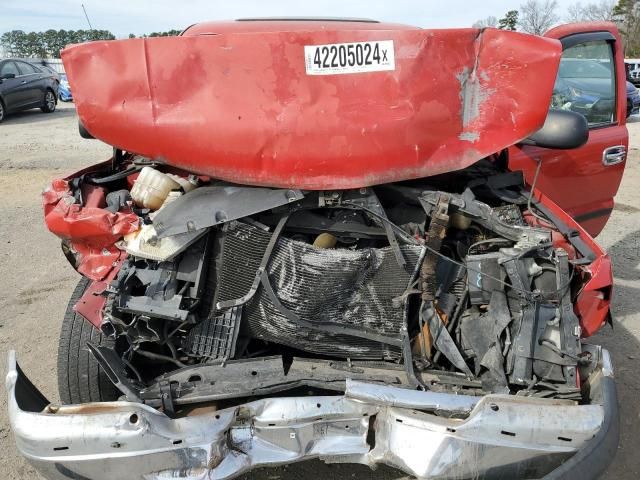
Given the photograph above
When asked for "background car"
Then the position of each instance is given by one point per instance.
(584, 86)
(48, 69)
(24, 86)
(64, 90)
(633, 71)
(633, 99)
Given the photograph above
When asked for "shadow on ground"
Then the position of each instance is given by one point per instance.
(35, 115)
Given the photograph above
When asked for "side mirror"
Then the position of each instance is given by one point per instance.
(6, 76)
(563, 129)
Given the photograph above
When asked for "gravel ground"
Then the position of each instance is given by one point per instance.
(36, 282)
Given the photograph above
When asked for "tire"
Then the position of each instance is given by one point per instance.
(80, 377)
(49, 102)
(84, 133)
(2, 111)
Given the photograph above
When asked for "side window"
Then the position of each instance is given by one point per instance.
(26, 68)
(586, 82)
(9, 67)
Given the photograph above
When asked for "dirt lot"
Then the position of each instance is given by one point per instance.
(36, 281)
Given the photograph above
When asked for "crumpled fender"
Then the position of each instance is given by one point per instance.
(240, 106)
(593, 301)
(90, 231)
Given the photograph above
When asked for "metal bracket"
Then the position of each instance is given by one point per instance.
(167, 390)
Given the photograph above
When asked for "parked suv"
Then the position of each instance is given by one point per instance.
(24, 86)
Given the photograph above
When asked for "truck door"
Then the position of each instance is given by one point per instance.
(591, 80)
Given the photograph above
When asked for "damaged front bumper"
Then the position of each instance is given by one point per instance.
(426, 434)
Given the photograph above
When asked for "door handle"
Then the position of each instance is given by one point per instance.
(614, 155)
(23, 82)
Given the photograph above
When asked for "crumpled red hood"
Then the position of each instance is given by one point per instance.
(241, 106)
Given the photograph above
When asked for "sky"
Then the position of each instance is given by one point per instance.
(122, 17)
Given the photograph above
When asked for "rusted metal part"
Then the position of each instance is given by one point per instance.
(435, 235)
(241, 107)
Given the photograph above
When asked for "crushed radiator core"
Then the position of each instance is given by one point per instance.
(324, 288)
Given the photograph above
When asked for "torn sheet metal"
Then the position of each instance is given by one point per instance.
(408, 398)
(92, 302)
(240, 106)
(502, 437)
(89, 231)
(592, 302)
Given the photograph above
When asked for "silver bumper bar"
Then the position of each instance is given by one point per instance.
(500, 437)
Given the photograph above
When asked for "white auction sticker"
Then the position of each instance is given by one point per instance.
(358, 57)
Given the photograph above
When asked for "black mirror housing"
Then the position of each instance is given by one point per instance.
(7, 76)
(563, 130)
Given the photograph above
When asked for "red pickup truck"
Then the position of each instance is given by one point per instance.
(340, 239)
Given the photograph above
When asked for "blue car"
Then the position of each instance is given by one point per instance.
(64, 90)
(633, 99)
(584, 86)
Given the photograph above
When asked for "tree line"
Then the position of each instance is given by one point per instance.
(47, 44)
(538, 16)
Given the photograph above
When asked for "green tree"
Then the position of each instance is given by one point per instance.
(34, 45)
(17, 43)
(61, 40)
(168, 33)
(14, 42)
(509, 21)
(50, 39)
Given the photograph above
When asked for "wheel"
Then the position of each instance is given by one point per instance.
(49, 102)
(80, 377)
(1, 112)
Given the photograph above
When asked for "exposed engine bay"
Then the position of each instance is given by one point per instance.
(344, 263)
(460, 283)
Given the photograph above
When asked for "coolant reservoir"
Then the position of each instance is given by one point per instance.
(186, 185)
(152, 187)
